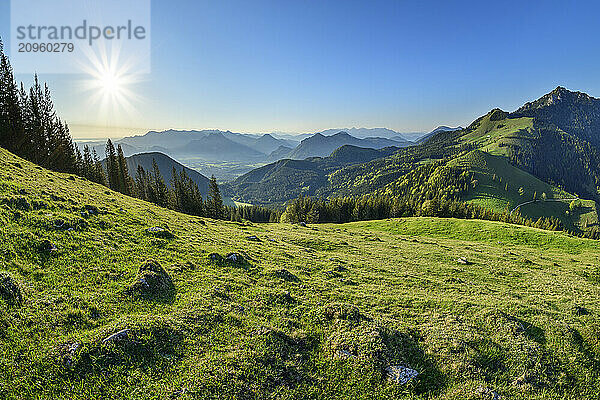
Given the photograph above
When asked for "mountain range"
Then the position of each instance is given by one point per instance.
(320, 145)
(226, 146)
(549, 148)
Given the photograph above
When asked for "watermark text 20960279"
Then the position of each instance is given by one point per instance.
(80, 36)
(27, 47)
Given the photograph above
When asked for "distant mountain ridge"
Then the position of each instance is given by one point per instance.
(217, 146)
(363, 133)
(165, 165)
(226, 146)
(437, 130)
(208, 144)
(320, 145)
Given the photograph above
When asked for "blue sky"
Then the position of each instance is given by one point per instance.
(304, 66)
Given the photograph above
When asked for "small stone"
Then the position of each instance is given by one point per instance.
(463, 261)
(117, 337)
(488, 394)
(286, 275)
(579, 310)
(400, 374)
(302, 224)
(47, 246)
(10, 290)
(159, 232)
(92, 210)
(235, 257)
(215, 258)
(344, 354)
(61, 224)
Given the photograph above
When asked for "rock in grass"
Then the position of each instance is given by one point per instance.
(236, 258)
(152, 280)
(463, 261)
(487, 393)
(400, 374)
(159, 232)
(342, 311)
(286, 275)
(10, 290)
(47, 246)
(345, 354)
(253, 238)
(62, 224)
(215, 258)
(579, 310)
(68, 352)
(117, 337)
(19, 203)
(90, 209)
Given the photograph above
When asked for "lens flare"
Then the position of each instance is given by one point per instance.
(111, 82)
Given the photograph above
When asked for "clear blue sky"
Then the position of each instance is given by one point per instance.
(302, 66)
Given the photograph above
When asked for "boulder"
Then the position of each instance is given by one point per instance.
(117, 337)
(159, 232)
(399, 374)
(10, 290)
(463, 261)
(152, 280)
(286, 275)
(215, 258)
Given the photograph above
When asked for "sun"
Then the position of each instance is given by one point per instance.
(111, 85)
(110, 82)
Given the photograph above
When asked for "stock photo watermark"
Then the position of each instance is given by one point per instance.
(71, 36)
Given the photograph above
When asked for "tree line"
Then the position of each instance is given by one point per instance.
(29, 126)
(432, 190)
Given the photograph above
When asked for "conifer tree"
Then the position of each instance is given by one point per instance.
(112, 166)
(125, 181)
(99, 174)
(158, 190)
(214, 202)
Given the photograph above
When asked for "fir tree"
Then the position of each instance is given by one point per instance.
(214, 202)
(125, 181)
(112, 166)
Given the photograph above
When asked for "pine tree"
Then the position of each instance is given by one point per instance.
(11, 117)
(99, 174)
(87, 164)
(125, 181)
(214, 202)
(112, 166)
(158, 190)
(142, 183)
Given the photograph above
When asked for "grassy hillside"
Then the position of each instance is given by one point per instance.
(501, 186)
(303, 312)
